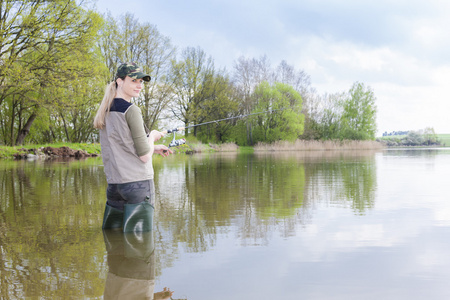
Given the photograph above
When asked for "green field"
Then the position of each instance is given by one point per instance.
(444, 139)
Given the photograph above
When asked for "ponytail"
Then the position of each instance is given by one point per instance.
(105, 106)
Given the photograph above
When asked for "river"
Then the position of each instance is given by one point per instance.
(290, 225)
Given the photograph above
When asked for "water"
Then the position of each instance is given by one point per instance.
(310, 225)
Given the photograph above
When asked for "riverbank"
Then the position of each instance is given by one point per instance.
(81, 150)
(76, 150)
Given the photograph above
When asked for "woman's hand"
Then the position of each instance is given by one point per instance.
(155, 135)
(162, 150)
(165, 294)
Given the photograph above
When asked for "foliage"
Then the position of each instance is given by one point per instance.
(192, 74)
(327, 122)
(344, 116)
(425, 137)
(219, 104)
(239, 133)
(358, 120)
(284, 122)
(46, 48)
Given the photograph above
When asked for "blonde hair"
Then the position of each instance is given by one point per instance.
(105, 106)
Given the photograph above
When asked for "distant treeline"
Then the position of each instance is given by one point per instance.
(395, 133)
(425, 137)
(56, 58)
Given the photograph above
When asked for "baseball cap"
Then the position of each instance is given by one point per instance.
(132, 70)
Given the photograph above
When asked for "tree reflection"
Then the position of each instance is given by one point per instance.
(259, 194)
(49, 249)
(343, 178)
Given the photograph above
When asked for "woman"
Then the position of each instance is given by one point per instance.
(127, 151)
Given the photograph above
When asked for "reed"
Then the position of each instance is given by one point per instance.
(197, 148)
(226, 147)
(307, 145)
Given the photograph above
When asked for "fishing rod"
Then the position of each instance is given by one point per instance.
(179, 142)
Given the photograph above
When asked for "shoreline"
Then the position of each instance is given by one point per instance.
(77, 151)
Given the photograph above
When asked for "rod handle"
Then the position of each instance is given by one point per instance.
(173, 130)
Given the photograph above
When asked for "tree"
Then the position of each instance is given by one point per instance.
(430, 136)
(285, 122)
(219, 103)
(358, 121)
(346, 115)
(248, 73)
(330, 116)
(301, 82)
(43, 46)
(192, 76)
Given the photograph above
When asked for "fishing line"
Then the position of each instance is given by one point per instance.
(220, 120)
(179, 142)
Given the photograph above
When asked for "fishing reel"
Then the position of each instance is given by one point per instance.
(176, 143)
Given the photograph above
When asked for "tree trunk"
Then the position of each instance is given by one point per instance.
(25, 130)
(249, 135)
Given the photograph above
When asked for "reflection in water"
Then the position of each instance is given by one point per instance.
(258, 194)
(50, 247)
(288, 225)
(131, 266)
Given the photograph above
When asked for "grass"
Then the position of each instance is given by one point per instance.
(444, 139)
(191, 146)
(8, 152)
(246, 149)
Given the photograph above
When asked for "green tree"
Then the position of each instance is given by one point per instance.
(219, 104)
(249, 73)
(285, 122)
(430, 136)
(44, 45)
(358, 121)
(346, 115)
(75, 115)
(330, 116)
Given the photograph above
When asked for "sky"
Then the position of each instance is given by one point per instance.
(398, 48)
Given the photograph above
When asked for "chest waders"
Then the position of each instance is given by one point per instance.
(134, 218)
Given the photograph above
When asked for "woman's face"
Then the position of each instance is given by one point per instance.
(129, 87)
